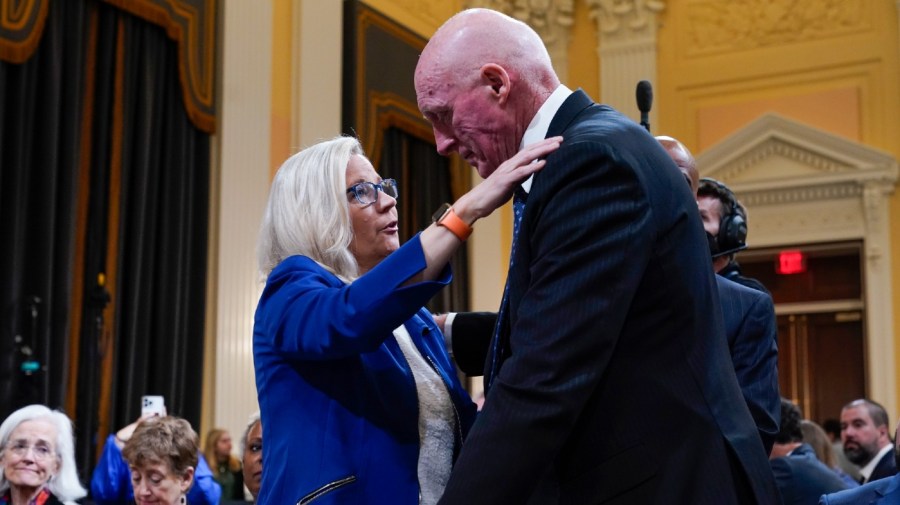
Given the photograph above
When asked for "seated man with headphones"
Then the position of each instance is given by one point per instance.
(725, 221)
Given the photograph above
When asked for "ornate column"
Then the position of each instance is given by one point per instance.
(627, 30)
(551, 19)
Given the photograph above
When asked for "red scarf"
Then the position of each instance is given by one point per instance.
(40, 499)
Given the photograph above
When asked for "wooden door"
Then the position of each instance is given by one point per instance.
(821, 361)
(821, 335)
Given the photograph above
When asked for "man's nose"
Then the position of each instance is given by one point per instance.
(446, 144)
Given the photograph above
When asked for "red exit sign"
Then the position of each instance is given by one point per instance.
(791, 262)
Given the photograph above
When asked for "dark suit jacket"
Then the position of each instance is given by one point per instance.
(886, 467)
(750, 328)
(802, 478)
(753, 341)
(616, 386)
(879, 492)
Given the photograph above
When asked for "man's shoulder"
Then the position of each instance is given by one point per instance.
(867, 493)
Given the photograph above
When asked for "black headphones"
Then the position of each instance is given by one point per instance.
(732, 235)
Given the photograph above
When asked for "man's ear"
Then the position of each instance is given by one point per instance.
(498, 79)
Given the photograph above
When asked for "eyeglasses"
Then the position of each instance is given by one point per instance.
(40, 451)
(366, 193)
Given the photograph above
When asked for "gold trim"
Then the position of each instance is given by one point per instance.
(21, 27)
(81, 219)
(192, 24)
(112, 242)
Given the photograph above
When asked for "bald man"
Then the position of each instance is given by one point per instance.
(606, 381)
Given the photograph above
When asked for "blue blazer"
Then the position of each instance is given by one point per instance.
(616, 385)
(879, 492)
(752, 334)
(337, 397)
(802, 478)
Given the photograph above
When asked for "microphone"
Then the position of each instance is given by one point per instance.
(644, 96)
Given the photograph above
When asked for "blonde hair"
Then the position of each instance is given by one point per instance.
(307, 213)
(209, 452)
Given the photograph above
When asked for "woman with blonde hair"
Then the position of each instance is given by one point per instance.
(226, 467)
(360, 401)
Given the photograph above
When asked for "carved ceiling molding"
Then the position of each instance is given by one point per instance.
(620, 16)
(716, 27)
(551, 19)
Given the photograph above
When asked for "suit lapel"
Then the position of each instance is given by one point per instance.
(577, 102)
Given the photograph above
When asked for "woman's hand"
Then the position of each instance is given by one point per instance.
(439, 243)
(497, 189)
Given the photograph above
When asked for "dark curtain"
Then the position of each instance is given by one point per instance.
(102, 173)
(40, 112)
(424, 179)
(147, 152)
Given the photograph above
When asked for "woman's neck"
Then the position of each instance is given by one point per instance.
(23, 495)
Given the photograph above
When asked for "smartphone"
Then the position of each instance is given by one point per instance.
(153, 405)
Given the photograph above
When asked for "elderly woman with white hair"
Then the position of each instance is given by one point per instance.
(38, 458)
(359, 399)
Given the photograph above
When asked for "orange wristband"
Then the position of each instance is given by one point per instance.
(445, 217)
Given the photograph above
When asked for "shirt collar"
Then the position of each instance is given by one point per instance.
(867, 470)
(540, 123)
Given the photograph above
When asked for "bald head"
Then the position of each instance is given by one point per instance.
(475, 37)
(480, 80)
(683, 159)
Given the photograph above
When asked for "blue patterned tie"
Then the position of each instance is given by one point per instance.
(501, 328)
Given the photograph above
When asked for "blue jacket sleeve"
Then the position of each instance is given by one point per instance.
(305, 312)
(111, 481)
(205, 490)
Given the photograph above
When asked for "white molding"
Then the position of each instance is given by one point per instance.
(244, 141)
(317, 38)
(627, 50)
(802, 185)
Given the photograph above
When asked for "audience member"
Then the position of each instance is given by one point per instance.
(37, 458)
(879, 492)
(867, 443)
(832, 428)
(601, 340)
(162, 454)
(725, 222)
(111, 483)
(815, 436)
(251, 455)
(800, 476)
(358, 396)
(226, 468)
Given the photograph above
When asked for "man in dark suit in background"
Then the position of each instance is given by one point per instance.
(604, 335)
(750, 327)
(879, 492)
(800, 476)
(725, 221)
(867, 443)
